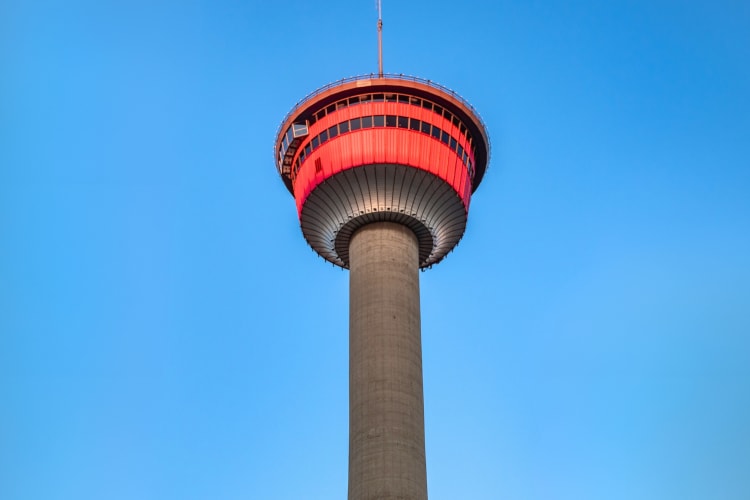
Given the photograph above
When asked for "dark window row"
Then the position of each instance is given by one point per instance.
(379, 97)
(402, 98)
(384, 121)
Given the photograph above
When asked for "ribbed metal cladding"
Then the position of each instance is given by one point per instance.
(358, 196)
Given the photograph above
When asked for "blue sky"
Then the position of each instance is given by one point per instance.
(165, 332)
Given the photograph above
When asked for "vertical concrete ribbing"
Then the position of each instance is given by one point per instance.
(386, 403)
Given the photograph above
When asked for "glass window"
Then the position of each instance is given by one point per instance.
(447, 115)
(426, 104)
(340, 104)
(416, 101)
(331, 108)
(444, 137)
(414, 124)
(333, 131)
(302, 155)
(356, 123)
(456, 122)
(453, 143)
(403, 122)
(365, 99)
(344, 127)
(390, 120)
(308, 149)
(323, 136)
(471, 167)
(463, 129)
(435, 132)
(366, 121)
(390, 98)
(299, 129)
(426, 127)
(320, 114)
(403, 98)
(378, 97)
(315, 142)
(460, 151)
(437, 109)
(379, 120)
(353, 100)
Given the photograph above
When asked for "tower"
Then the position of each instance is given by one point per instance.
(382, 169)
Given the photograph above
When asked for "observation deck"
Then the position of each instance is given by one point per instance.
(392, 148)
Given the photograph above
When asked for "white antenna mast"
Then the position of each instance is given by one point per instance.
(380, 41)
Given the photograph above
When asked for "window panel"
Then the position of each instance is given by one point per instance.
(379, 120)
(356, 123)
(333, 131)
(426, 127)
(415, 124)
(344, 127)
(403, 122)
(299, 130)
(366, 121)
(390, 120)
(323, 136)
(444, 137)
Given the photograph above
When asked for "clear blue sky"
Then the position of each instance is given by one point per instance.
(165, 332)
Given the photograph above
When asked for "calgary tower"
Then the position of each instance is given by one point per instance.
(382, 169)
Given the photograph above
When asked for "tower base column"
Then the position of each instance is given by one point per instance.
(386, 402)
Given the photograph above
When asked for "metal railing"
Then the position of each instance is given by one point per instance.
(373, 76)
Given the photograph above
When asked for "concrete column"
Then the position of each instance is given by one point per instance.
(386, 403)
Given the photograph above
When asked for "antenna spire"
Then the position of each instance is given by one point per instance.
(380, 40)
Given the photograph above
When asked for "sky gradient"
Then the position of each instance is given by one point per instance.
(166, 333)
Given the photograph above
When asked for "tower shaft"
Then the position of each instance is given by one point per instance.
(386, 402)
